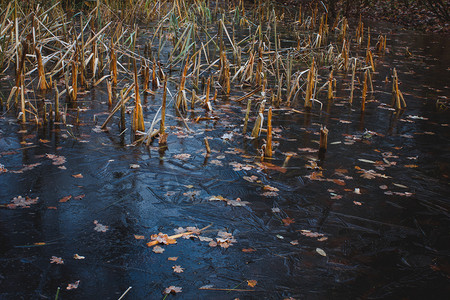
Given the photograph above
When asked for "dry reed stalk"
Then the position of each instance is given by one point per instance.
(74, 92)
(398, 101)
(43, 84)
(370, 82)
(194, 96)
(380, 44)
(207, 103)
(300, 19)
(113, 65)
(181, 103)
(268, 149)
(344, 54)
(145, 75)
(369, 59)
(247, 113)
(323, 139)
(208, 149)
(155, 83)
(364, 91)
(330, 86)
(310, 86)
(163, 108)
(122, 112)
(57, 114)
(22, 100)
(278, 99)
(109, 88)
(138, 116)
(258, 89)
(350, 100)
(259, 120)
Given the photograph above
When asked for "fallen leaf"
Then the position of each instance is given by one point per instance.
(205, 287)
(134, 166)
(56, 260)
(270, 188)
(252, 178)
(172, 290)
(178, 269)
(275, 210)
(158, 249)
(65, 199)
(288, 221)
(99, 227)
(79, 197)
(139, 237)
(162, 238)
(248, 250)
(339, 181)
(182, 156)
(77, 176)
(76, 256)
(294, 242)
(411, 166)
(321, 252)
(252, 283)
(73, 286)
(173, 258)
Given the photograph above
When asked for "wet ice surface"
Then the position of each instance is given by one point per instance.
(389, 241)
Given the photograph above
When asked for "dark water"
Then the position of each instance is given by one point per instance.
(381, 243)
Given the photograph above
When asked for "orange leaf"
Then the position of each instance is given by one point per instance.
(65, 199)
(288, 221)
(77, 176)
(252, 283)
(139, 237)
(248, 250)
(339, 181)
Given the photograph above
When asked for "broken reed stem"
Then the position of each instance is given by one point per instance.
(22, 100)
(268, 149)
(310, 86)
(259, 120)
(73, 95)
(208, 149)
(353, 82)
(330, 86)
(122, 112)
(113, 65)
(163, 108)
(138, 117)
(369, 59)
(109, 88)
(323, 139)
(56, 103)
(43, 85)
(397, 97)
(364, 91)
(207, 103)
(247, 113)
